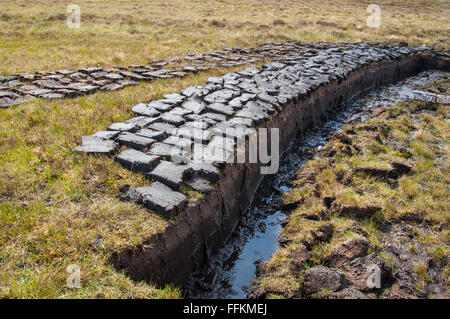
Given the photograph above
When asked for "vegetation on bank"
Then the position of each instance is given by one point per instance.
(59, 208)
(377, 193)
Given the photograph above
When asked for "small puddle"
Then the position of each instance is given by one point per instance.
(259, 247)
(229, 272)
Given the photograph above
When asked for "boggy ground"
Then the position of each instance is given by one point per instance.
(58, 207)
(376, 194)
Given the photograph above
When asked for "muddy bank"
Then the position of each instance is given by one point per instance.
(229, 272)
(203, 227)
(367, 216)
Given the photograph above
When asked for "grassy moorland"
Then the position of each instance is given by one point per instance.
(59, 208)
(55, 205)
(350, 204)
(34, 35)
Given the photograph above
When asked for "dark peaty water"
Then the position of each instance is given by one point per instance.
(229, 272)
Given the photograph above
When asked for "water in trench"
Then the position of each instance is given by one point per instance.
(229, 272)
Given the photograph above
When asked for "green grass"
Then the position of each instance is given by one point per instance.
(54, 202)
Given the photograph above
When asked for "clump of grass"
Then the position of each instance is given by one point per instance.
(422, 149)
(440, 252)
(409, 187)
(191, 193)
(117, 58)
(170, 292)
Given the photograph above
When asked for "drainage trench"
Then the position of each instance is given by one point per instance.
(229, 272)
(306, 88)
